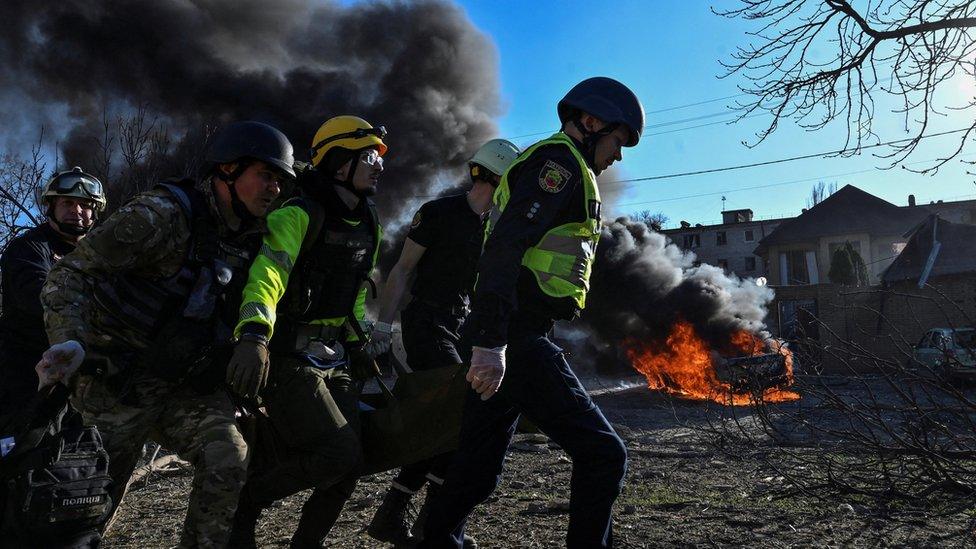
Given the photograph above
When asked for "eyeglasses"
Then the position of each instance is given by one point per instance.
(371, 157)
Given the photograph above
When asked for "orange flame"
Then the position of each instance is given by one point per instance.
(683, 366)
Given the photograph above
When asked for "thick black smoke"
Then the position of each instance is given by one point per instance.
(420, 68)
(642, 284)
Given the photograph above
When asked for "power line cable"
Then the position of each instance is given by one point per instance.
(659, 111)
(626, 182)
(679, 107)
(777, 161)
(778, 184)
(729, 121)
(705, 102)
(668, 123)
(751, 188)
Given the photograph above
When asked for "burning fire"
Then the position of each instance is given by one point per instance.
(685, 366)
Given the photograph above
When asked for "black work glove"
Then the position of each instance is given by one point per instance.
(247, 372)
(361, 365)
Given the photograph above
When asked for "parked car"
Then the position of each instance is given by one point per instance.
(949, 351)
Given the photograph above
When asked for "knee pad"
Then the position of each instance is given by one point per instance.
(225, 455)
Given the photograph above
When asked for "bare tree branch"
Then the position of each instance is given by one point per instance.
(819, 61)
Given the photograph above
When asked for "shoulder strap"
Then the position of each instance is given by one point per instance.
(316, 218)
(181, 196)
(374, 218)
(204, 247)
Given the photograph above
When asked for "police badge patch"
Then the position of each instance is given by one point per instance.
(553, 177)
(416, 220)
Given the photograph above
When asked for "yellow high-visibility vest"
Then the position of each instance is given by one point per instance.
(562, 260)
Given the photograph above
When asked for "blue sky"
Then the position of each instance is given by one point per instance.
(668, 52)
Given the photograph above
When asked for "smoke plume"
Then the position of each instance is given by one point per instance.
(419, 68)
(641, 284)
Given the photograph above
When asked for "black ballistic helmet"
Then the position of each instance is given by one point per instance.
(249, 139)
(608, 100)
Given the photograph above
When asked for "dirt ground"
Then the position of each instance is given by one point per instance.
(680, 492)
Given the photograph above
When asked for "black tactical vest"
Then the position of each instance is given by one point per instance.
(336, 259)
(182, 317)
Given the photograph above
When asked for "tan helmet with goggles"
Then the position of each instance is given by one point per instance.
(73, 183)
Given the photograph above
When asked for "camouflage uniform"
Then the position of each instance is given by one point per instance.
(147, 242)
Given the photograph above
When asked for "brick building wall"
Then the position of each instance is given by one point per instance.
(852, 326)
(729, 245)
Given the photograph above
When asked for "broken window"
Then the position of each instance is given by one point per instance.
(691, 240)
(720, 238)
(750, 237)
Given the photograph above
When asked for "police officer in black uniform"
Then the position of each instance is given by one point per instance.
(535, 269)
(442, 250)
(71, 201)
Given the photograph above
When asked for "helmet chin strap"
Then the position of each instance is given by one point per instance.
(350, 177)
(590, 140)
(69, 228)
(73, 230)
(237, 205)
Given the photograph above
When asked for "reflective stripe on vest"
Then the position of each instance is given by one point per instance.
(562, 260)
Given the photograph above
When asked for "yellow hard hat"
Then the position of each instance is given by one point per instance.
(348, 132)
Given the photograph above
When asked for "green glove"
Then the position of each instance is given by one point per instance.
(247, 372)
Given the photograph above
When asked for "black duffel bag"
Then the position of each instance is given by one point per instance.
(56, 491)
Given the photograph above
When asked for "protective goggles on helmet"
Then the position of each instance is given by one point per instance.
(358, 133)
(371, 157)
(67, 184)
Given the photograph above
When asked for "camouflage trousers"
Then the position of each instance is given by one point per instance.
(200, 428)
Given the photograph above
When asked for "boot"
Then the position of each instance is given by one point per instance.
(418, 526)
(390, 522)
(245, 522)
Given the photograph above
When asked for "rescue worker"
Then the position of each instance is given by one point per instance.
(535, 268)
(71, 202)
(305, 302)
(442, 248)
(144, 296)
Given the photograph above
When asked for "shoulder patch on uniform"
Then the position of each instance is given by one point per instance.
(416, 220)
(553, 177)
(134, 226)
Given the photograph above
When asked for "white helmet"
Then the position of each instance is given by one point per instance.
(496, 155)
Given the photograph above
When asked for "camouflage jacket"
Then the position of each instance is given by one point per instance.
(147, 240)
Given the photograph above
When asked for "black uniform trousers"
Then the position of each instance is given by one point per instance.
(540, 384)
(431, 338)
(18, 381)
(315, 416)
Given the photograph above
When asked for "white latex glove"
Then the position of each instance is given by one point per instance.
(380, 339)
(59, 363)
(487, 370)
